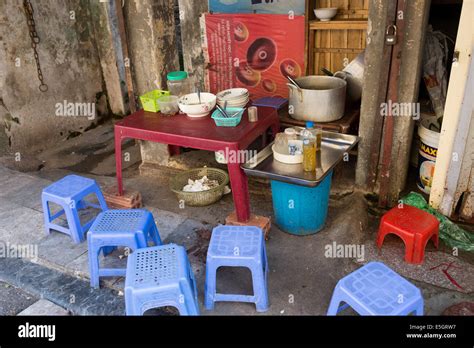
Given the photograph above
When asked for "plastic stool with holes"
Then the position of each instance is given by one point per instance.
(414, 226)
(375, 289)
(236, 246)
(159, 277)
(69, 193)
(125, 228)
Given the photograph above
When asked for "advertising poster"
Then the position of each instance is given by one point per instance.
(256, 52)
(297, 7)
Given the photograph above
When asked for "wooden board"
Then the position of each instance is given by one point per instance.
(335, 44)
(347, 125)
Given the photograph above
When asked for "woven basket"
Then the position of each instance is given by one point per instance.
(228, 122)
(204, 198)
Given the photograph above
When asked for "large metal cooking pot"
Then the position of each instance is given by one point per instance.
(320, 99)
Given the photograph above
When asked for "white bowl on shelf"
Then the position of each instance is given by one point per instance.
(190, 105)
(325, 14)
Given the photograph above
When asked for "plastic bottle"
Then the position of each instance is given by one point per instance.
(309, 148)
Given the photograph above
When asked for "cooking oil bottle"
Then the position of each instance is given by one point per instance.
(309, 148)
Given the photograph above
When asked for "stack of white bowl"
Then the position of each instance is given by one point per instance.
(235, 98)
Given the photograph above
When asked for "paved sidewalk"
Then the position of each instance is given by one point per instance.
(301, 279)
(13, 300)
(44, 308)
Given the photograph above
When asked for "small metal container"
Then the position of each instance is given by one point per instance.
(253, 114)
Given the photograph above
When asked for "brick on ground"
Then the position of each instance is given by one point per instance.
(129, 200)
(255, 220)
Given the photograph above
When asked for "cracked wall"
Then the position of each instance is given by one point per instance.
(29, 120)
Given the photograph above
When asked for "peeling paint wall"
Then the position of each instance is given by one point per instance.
(109, 47)
(376, 80)
(153, 53)
(152, 42)
(70, 65)
(465, 189)
(193, 56)
(416, 17)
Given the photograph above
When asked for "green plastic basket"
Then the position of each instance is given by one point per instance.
(204, 198)
(228, 122)
(150, 100)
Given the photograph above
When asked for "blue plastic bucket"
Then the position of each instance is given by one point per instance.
(301, 210)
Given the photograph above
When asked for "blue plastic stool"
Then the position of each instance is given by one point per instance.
(113, 228)
(159, 277)
(234, 246)
(376, 290)
(69, 193)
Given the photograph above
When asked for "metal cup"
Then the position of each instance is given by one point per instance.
(253, 114)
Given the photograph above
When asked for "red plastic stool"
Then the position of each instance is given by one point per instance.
(414, 226)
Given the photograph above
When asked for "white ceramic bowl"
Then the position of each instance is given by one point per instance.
(325, 14)
(233, 94)
(236, 104)
(189, 104)
(287, 159)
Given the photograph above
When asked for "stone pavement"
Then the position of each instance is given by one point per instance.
(13, 300)
(16, 301)
(43, 308)
(69, 292)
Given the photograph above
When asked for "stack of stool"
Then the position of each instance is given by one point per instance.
(376, 290)
(234, 246)
(69, 193)
(134, 229)
(159, 277)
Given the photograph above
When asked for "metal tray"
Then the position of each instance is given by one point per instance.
(334, 147)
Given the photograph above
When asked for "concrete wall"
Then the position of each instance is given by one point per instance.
(70, 65)
(105, 23)
(416, 17)
(150, 26)
(374, 92)
(193, 56)
(372, 127)
(82, 62)
(152, 42)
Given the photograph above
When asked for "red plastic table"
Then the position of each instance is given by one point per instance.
(201, 134)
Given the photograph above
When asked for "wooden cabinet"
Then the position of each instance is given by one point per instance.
(336, 43)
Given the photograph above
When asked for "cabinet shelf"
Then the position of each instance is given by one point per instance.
(352, 24)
